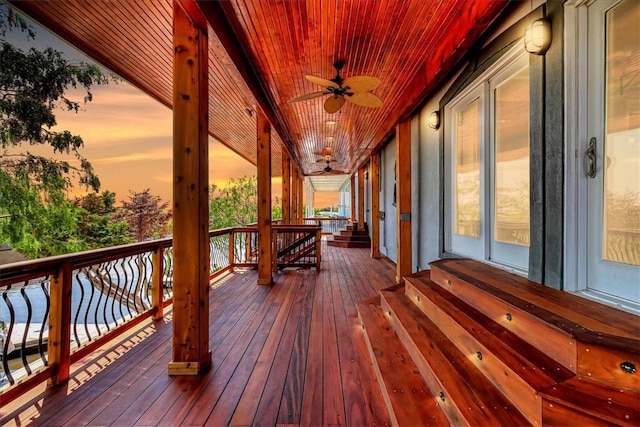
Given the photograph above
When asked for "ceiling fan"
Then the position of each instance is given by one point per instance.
(327, 170)
(353, 89)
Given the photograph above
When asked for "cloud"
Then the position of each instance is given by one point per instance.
(164, 153)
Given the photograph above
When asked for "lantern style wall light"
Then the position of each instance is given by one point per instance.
(537, 36)
(434, 120)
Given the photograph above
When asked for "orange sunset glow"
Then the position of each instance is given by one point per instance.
(128, 137)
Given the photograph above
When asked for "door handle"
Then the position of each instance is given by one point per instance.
(590, 158)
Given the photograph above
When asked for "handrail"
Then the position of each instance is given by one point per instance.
(86, 298)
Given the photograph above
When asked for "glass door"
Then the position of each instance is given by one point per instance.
(612, 156)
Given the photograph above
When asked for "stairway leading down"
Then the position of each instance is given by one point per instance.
(353, 236)
(469, 344)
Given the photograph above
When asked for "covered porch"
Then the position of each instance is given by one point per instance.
(289, 353)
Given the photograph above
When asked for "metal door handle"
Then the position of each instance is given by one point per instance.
(590, 158)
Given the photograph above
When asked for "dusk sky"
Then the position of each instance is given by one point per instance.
(128, 136)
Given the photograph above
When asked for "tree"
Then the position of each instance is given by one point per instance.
(146, 215)
(236, 205)
(96, 225)
(32, 85)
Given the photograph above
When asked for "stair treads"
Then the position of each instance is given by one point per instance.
(537, 368)
(574, 310)
(406, 395)
(469, 397)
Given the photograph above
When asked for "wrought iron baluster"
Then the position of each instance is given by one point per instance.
(27, 325)
(41, 350)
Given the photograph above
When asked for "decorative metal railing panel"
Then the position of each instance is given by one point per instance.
(107, 289)
(24, 310)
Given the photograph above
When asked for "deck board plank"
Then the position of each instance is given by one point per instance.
(286, 354)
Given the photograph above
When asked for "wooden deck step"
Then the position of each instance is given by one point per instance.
(348, 244)
(354, 233)
(581, 401)
(352, 238)
(466, 396)
(407, 397)
(580, 334)
(496, 351)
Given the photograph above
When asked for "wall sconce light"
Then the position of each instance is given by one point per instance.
(434, 120)
(537, 36)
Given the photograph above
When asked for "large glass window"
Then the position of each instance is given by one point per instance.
(487, 153)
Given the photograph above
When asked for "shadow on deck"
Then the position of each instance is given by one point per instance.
(291, 353)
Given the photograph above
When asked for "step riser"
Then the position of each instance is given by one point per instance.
(603, 364)
(351, 238)
(516, 389)
(353, 233)
(342, 244)
(550, 340)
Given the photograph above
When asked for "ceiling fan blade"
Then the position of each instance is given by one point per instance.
(365, 99)
(308, 96)
(361, 83)
(333, 104)
(321, 81)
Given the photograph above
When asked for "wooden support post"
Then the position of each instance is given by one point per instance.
(375, 206)
(318, 249)
(191, 355)
(353, 198)
(232, 250)
(294, 194)
(274, 250)
(361, 220)
(59, 350)
(403, 158)
(157, 283)
(264, 201)
(300, 198)
(286, 187)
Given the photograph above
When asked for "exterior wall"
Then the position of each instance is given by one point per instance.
(428, 223)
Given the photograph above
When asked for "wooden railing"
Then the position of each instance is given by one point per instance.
(329, 225)
(56, 310)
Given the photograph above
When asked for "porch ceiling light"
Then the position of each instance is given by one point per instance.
(434, 120)
(537, 36)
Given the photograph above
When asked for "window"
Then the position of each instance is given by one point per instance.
(487, 166)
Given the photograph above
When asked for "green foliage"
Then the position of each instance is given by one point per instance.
(236, 205)
(36, 217)
(146, 216)
(96, 224)
(34, 227)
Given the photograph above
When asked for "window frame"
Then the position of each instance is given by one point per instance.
(484, 248)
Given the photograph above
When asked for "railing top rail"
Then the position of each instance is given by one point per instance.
(26, 270)
(324, 218)
(296, 227)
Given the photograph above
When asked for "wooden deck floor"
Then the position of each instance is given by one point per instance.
(288, 354)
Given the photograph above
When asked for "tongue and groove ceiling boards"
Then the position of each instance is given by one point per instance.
(264, 50)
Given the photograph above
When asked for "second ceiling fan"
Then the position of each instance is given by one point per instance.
(353, 89)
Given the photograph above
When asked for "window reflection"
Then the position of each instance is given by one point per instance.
(467, 170)
(621, 231)
(511, 223)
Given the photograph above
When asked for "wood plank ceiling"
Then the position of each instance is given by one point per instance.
(411, 45)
